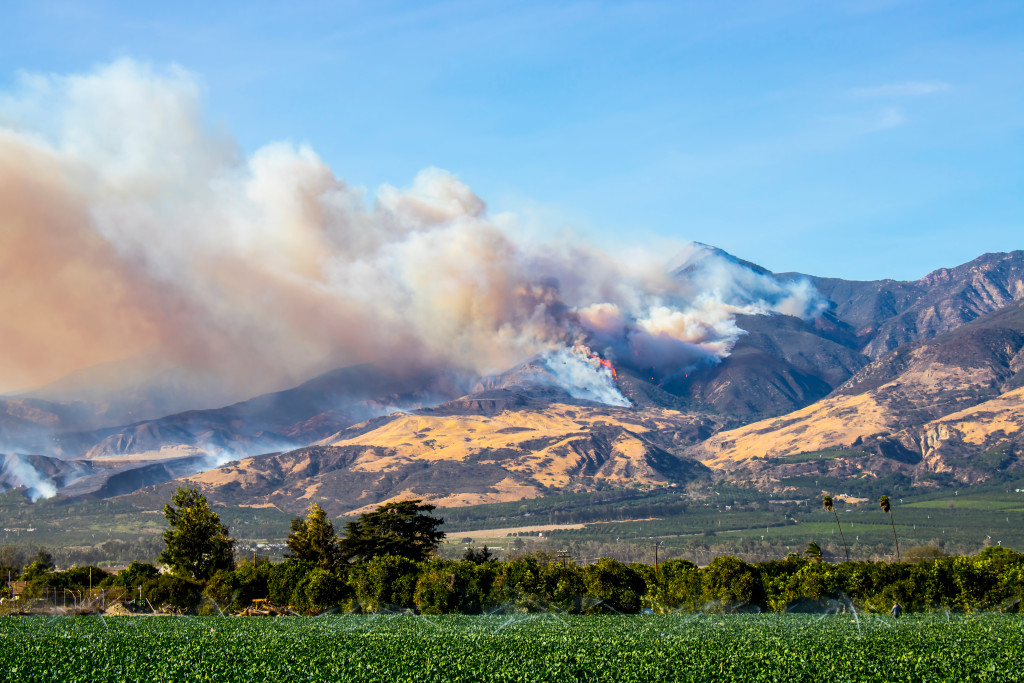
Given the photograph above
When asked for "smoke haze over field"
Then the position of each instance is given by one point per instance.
(131, 226)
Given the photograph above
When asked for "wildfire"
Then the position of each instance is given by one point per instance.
(602, 361)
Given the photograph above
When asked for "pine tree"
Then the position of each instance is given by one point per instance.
(397, 529)
(314, 539)
(197, 544)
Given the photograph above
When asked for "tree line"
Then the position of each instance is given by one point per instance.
(384, 560)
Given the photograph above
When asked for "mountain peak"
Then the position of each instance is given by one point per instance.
(697, 255)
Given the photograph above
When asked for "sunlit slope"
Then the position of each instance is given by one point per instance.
(470, 459)
(554, 447)
(952, 404)
(987, 435)
(833, 422)
(925, 390)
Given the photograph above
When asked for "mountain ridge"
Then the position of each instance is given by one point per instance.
(940, 401)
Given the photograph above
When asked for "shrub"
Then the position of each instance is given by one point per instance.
(729, 583)
(385, 582)
(173, 590)
(284, 581)
(322, 590)
(615, 585)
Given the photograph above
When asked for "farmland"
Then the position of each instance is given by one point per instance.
(696, 525)
(515, 646)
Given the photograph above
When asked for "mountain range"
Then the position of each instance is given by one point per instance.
(923, 379)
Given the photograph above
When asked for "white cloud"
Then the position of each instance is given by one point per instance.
(889, 117)
(905, 89)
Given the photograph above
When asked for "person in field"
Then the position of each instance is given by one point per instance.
(896, 610)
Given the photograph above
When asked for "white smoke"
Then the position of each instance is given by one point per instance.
(584, 377)
(136, 227)
(18, 472)
(724, 281)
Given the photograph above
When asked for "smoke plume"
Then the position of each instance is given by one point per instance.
(16, 471)
(132, 226)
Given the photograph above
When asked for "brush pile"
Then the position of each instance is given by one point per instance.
(262, 608)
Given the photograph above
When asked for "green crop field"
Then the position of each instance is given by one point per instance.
(515, 647)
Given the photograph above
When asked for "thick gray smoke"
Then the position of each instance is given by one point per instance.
(131, 226)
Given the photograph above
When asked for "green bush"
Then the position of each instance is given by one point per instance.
(285, 578)
(617, 586)
(729, 583)
(568, 587)
(173, 590)
(449, 587)
(222, 588)
(520, 581)
(385, 582)
(323, 590)
(134, 575)
(679, 586)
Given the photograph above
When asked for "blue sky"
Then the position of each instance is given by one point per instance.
(854, 139)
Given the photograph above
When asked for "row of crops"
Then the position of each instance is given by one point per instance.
(515, 647)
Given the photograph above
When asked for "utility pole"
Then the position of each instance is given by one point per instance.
(563, 555)
(656, 544)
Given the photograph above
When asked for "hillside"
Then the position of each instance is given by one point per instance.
(950, 404)
(940, 402)
(886, 314)
(276, 421)
(30, 424)
(781, 364)
(457, 459)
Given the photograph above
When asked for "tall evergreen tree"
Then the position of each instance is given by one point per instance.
(197, 545)
(314, 539)
(401, 529)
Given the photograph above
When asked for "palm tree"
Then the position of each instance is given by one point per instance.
(883, 503)
(813, 551)
(827, 501)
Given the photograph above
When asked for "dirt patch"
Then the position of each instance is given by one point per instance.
(118, 610)
(504, 532)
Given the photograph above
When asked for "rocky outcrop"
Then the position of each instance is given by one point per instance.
(887, 314)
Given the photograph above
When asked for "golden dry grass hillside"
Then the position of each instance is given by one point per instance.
(988, 431)
(551, 446)
(455, 460)
(947, 406)
(833, 422)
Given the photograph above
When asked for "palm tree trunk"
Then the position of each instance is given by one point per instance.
(898, 558)
(841, 535)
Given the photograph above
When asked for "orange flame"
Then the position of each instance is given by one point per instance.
(602, 361)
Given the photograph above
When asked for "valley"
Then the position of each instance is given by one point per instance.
(908, 388)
